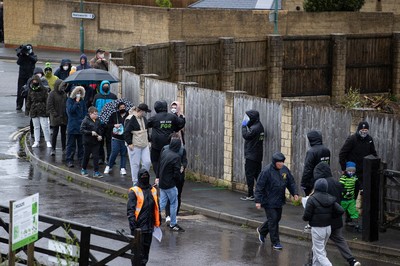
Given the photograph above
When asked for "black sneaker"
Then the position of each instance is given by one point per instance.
(251, 198)
(176, 228)
(260, 236)
(53, 153)
(70, 164)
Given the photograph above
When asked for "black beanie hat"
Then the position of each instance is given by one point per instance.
(363, 125)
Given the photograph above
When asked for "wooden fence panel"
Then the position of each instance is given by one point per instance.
(307, 66)
(270, 116)
(156, 90)
(385, 129)
(131, 86)
(113, 69)
(369, 63)
(334, 125)
(203, 64)
(204, 131)
(159, 58)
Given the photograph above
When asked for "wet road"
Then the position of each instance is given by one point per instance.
(205, 242)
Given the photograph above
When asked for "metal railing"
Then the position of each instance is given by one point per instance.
(387, 198)
(96, 246)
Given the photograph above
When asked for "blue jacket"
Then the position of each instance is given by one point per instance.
(76, 111)
(101, 98)
(271, 184)
(85, 65)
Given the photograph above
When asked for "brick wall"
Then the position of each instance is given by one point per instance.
(49, 23)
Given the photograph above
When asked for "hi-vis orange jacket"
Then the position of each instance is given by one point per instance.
(139, 196)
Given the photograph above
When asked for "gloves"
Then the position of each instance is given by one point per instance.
(94, 134)
(244, 123)
(99, 138)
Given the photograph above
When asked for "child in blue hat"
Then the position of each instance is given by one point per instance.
(348, 202)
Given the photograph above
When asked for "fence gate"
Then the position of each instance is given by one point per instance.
(390, 199)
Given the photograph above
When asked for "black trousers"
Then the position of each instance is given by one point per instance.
(107, 139)
(271, 225)
(155, 159)
(20, 99)
(146, 243)
(252, 170)
(63, 136)
(94, 150)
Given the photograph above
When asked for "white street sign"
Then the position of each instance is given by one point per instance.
(83, 15)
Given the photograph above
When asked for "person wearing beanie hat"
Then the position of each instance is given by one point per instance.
(48, 74)
(348, 202)
(320, 208)
(270, 194)
(355, 148)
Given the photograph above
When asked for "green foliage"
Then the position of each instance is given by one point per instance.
(352, 99)
(164, 3)
(332, 5)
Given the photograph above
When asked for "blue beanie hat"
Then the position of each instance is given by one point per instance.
(351, 166)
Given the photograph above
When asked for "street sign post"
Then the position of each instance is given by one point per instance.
(83, 15)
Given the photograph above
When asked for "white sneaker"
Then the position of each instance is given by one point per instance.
(35, 145)
(167, 219)
(107, 170)
(48, 143)
(123, 171)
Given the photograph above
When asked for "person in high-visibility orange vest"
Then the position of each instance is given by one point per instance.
(143, 211)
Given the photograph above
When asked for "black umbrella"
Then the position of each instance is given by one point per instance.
(92, 75)
(111, 107)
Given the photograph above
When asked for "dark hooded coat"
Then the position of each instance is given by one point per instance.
(272, 183)
(355, 149)
(102, 98)
(163, 124)
(60, 72)
(76, 111)
(85, 65)
(26, 65)
(57, 104)
(335, 188)
(321, 207)
(316, 154)
(36, 101)
(254, 134)
(170, 165)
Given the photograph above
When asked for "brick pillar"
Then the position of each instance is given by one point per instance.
(143, 85)
(286, 132)
(178, 61)
(274, 66)
(181, 93)
(228, 135)
(227, 75)
(121, 94)
(339, 51)
(396, 64)
(142, 66)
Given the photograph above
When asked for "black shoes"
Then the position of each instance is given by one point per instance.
(70, 164)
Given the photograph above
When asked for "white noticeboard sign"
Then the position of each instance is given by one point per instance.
(83, 15)
(25, 221)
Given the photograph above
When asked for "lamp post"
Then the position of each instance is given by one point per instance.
(276, 17)
(82, 32)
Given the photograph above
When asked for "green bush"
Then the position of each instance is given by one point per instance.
(164, 3)
(332, 5)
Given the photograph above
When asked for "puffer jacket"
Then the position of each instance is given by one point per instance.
(87, 126)
(170, 165)
(102, 98)
(76, 111)
(316, 154)
(254, 134)
(57, 104)
(272, 183)
(163, 124)
(36, 101)
(60, 72)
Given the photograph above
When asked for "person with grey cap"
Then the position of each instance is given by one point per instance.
(320, 209)
(137, 138)
(270, 194)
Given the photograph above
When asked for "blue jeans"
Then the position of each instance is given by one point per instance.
(170, 194)
(74, 140)
(117, 146)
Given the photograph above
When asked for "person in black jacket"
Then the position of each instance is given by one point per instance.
(63, 71)
(163, 124)
(167, 178)
(321, 207)
(91, 130)
(26, 61)
(335, 188)
(316, 154)
(253, 133)
(143, 211)
(270, 194)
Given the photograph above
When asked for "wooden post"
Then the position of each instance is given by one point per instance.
(137, 248)
(30, 254)
(84, 246)
(11, 253)
(370, 216)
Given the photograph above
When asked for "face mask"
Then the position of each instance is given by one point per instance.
(101, 56)
(78, 95)
(65, 67)
(363, 134)
(122, 111)
(106, 89)
(173, 110)
(39, 75)
(35, 84)
(350, 174)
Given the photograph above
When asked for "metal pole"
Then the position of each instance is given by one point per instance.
(82, 31)
(276, 17)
